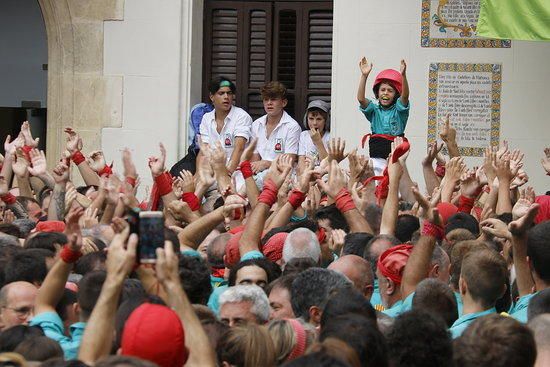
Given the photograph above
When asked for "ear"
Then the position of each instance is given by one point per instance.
(434, 271)
(462, 286)
(76, 308)
(119, 352)
(391, 288)
(285, 102)
(315, 315)
(368, 291)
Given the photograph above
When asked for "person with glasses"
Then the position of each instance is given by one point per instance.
(16, 304)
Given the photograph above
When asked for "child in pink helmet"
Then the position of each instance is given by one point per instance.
(388, 115)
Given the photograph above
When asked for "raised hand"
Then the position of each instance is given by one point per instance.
(27, 136)
(232, 203)
(113, 189)
(496, 228)
(70, 197)
(403, 67)
(20, 164)
(74, 141)
(167, 265)
(156, 164)
(38, 160)
(10, 146)
(469, 183)
(429, 211)
(128, 164)
(336, 180)
(336, 149)
(121, 257)
(526, 198)
(279, 169)
(61, 172)
(545, 161)
(447, 132)
(431, 155)
(315, 135)
(503, 149)
(72, 228)
(96, 160)
(187, 181)
(455, 169)
(181, 211)
(365, 67)
(89, 219)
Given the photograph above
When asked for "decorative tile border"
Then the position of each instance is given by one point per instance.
(468, 41)
(495, 70)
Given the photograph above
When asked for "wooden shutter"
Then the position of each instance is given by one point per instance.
(319, 54)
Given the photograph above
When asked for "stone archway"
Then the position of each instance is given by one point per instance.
(79, 94)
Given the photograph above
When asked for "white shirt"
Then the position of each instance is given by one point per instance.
(237, 123)
(283, 139)
(307, 148)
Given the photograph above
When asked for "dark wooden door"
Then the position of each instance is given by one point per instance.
(253, 42)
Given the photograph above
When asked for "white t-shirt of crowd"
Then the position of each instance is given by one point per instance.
(238, 123)
(283, 139)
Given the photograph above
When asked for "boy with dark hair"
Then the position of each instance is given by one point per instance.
(482, 282)
(276, 131)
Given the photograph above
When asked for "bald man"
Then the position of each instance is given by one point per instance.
(16, 304)
(358, 270)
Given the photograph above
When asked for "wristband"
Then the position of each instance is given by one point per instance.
(344, 201)
(296, 198)
(130, 180)
(430, 229)
(68, 255)
(440, 169)
(78, 157)
(9, 198)
(192, 200)
(105, 171)
(164, 183)
(26, 152)
(268, 195)
(246, 169)
(294, 218)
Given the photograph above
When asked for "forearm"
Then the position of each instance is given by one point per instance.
(390, 211)
(363, 101)
(108, 214)
(447, 189)
(323, 153)
(281, 218)
(56, 210)
(405, 186)
(235, 159)
(223, 178)
(357, 223)
(98, 335)
(24, 187)
(201, 352)
(89, 176)
(524, 280)
(252, 191)
(430, 178)
(504, 204)
(418, 265)
(452, 148)
(53, 287)
(253, 229)
(7, 171)
(37, 184)
(196, 231)
(405, 90)
(98, 201)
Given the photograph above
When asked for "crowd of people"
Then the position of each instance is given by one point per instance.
(280, 247)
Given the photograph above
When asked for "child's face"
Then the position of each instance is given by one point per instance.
(274, 106)
(222, 99)
(316, 121)
(386, 94)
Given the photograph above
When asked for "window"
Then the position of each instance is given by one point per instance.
(255, 42)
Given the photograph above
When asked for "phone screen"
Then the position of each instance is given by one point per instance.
(151, 235)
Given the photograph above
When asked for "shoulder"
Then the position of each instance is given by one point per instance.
(260, 120)
(238, 112)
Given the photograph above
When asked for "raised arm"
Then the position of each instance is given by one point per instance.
(52, 289)
(252, 191)
(448, 135)
(405, 92)
(201, 352)
(56, 210)
(430, 178)
(98, 335)
(74, 147)
(391, 207)
(365, 68)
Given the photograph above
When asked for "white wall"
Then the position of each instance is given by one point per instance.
(388, 31)
(23, 50)
(146, 49)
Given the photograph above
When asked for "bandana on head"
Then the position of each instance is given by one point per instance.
(225, 83)
(392, 262)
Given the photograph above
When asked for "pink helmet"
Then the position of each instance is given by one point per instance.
(390, 76)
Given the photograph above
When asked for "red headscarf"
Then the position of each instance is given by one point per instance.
(273, 249)
(392, 262)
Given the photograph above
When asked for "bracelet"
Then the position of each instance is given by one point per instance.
(294, 218)
(192, 200)
(26, 152)
(164, 183)
(246, 169)
(9, 198)
(344, 201)
(430, 229)
(77, 157)
(268, 196)
(68, 255)
(130, 180)
(296, 198)
(105, 171)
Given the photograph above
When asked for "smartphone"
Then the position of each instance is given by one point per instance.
(151, 235)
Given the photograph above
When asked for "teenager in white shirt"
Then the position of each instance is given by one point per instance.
(276, 131)
(314, 140)
(228, 124)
